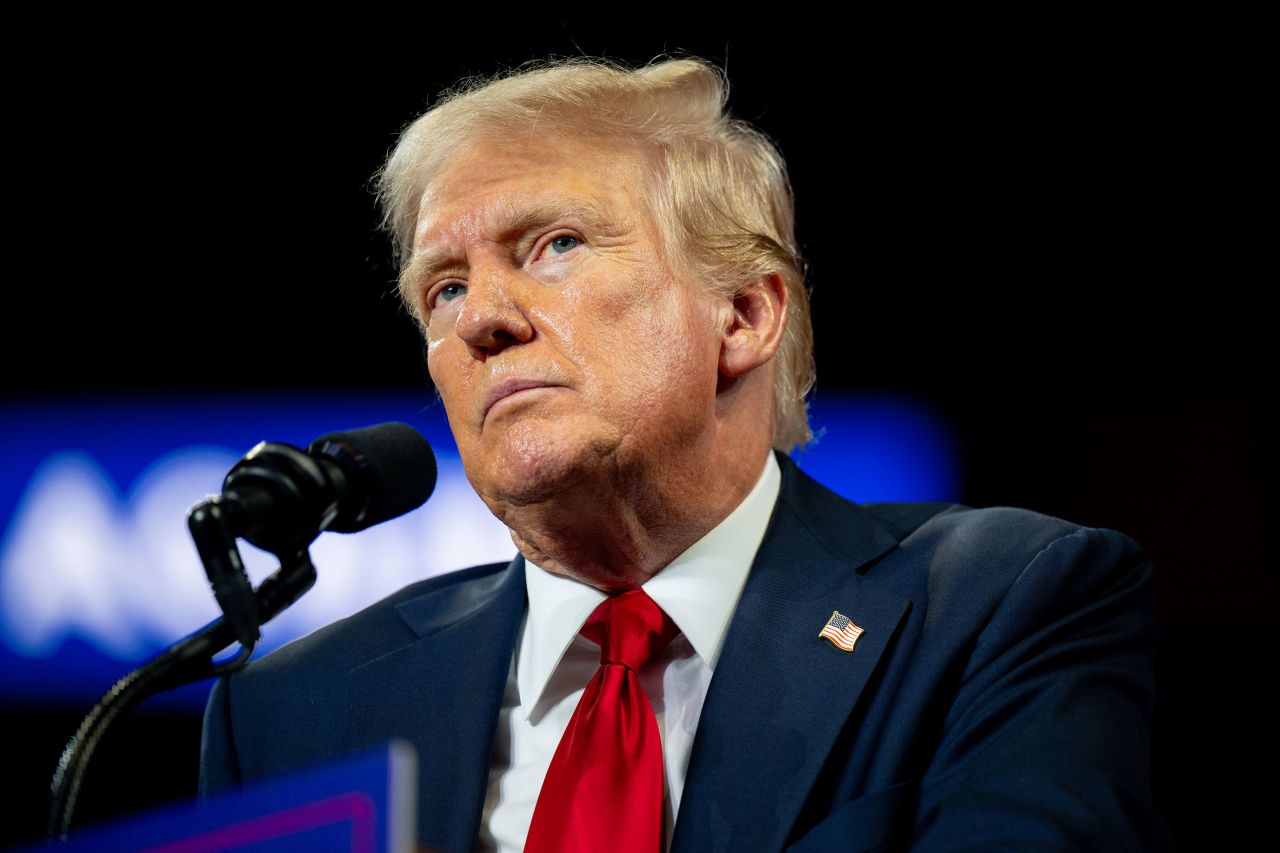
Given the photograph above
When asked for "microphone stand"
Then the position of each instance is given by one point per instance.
(185, 662)
(278, 498)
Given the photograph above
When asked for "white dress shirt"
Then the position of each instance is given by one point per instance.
(552, 664)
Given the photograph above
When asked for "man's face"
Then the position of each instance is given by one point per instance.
(564, 344)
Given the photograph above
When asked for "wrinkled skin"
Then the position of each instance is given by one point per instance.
(608, 408)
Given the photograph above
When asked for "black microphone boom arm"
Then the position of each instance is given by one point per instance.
(187, 661)
(279, 498)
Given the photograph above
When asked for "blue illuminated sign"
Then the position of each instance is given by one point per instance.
(97, 571)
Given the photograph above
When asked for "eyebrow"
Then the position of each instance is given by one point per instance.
(507, 220)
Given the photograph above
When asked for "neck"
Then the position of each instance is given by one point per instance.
(620, 525)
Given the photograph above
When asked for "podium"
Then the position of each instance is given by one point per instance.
(365, 804)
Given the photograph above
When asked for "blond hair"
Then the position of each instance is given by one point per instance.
(721, 195)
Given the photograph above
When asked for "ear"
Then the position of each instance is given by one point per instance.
(753, 332)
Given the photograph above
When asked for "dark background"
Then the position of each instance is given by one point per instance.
(1050, 229)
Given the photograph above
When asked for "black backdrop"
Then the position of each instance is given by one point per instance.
(1050, 229)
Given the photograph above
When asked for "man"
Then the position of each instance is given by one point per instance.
(604, 268)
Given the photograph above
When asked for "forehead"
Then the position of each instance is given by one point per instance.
(488, 185)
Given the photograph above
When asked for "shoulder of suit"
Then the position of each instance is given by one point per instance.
(359, 638)
(937, 538)
(955, 533)
(982, 527)
(984, 552)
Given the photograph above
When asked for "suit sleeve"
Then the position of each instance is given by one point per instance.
(219, 766)
(1046, 743)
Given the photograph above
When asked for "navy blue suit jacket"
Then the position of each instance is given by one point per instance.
(999, 698)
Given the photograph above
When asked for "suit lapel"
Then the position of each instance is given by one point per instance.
(449, 687)
(780, 695)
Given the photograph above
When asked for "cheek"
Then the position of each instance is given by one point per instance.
(667, 357)
(451, 381)
(435, 369)
(439, 330)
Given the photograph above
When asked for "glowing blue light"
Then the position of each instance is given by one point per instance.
(97, 571)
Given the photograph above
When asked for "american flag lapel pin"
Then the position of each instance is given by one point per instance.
(840, 631)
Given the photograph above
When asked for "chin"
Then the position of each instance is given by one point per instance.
(535, 461)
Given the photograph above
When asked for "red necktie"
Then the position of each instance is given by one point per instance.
(603, 790)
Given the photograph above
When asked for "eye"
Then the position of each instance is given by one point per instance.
(447, 293)
(562, 244)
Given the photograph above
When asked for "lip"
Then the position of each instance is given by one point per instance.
(508, 387)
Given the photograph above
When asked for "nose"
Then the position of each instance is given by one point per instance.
(492, 317)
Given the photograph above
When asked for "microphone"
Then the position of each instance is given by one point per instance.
(280, 498)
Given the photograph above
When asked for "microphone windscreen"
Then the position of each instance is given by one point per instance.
(390, 468)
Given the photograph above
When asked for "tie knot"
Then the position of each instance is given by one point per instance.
(630, 629)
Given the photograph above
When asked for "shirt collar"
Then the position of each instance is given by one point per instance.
(699, 590)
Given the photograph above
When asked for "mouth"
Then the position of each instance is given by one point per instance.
(509, 389)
